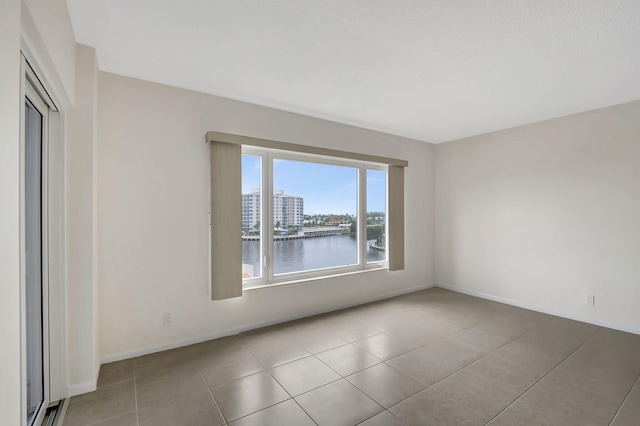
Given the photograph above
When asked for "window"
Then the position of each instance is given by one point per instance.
(323, 194)
(282, 212)
(376, 215)
(251, 216)
(311, 214)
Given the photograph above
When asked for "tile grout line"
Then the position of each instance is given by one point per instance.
(381, 331)
(296, 401)
(462, 368)
(372, 398)
(397, 355)
(197, 365)
(217, 406)
(135, 393)
(437, 357)
(305, 411)
(204, 379)
(385, 410)
(314, 355)
(293, 398)
(317, 387)
(340, 374)
(376, 414)
(264, 370)
(625, 400)
(544, 375)
(340, 377)
(174, 398)
(262, 409)
(467, 327)
(404, 399)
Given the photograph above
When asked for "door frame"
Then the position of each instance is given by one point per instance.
(53, 245)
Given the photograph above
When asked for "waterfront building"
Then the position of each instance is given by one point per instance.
(278, 219)
(288, 210)
(251, 210)
(292, 212)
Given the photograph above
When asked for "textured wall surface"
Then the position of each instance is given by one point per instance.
(10, 356)
(544, 214)
(153, 235)
(82, 305)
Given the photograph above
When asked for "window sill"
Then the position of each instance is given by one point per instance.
(318, 278)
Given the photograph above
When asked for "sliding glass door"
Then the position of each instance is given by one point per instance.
(36, 359)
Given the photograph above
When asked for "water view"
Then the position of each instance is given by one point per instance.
(309, 253)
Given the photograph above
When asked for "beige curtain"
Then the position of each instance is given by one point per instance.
(226, 221)
(396, 218)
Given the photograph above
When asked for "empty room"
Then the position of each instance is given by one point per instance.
(246, 212)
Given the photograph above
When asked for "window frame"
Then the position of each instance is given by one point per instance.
(386, 212)
(267, 156)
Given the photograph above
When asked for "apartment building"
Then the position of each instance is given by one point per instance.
(288, 211)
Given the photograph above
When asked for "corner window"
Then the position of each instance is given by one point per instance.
(308, 216)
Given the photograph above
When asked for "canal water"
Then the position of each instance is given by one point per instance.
(309, 253)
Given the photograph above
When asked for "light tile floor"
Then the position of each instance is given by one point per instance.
(433, 357)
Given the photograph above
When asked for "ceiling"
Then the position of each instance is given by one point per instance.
(433, 70)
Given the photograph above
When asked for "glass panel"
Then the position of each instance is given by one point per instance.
(33, 261)
(251, 217)
(314, 211)
(376, 215)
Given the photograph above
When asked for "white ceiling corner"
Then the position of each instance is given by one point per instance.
(434, 70)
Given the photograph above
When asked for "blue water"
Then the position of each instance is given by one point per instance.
(309, 253)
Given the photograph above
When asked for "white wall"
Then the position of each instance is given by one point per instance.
(153, 167)
(10, 364)
(543, 214)
(81, 207)
(52, 44)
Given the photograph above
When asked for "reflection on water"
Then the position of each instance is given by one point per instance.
(309, 253)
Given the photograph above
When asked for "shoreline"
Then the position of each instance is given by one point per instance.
(296, 237)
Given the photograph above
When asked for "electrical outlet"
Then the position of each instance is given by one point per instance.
(167, 319)
(590, 299)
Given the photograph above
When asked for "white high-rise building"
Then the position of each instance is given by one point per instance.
(292, 211)
(288, 211)
(278, 219)
(251, 210)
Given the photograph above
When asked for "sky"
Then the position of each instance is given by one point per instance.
(326, 189)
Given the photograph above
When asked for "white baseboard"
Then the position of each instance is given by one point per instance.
(519, 304)
(245, 327)
(81, 388)
(88, 386)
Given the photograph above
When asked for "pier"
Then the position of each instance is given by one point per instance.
(305, 233)
(373, 245)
